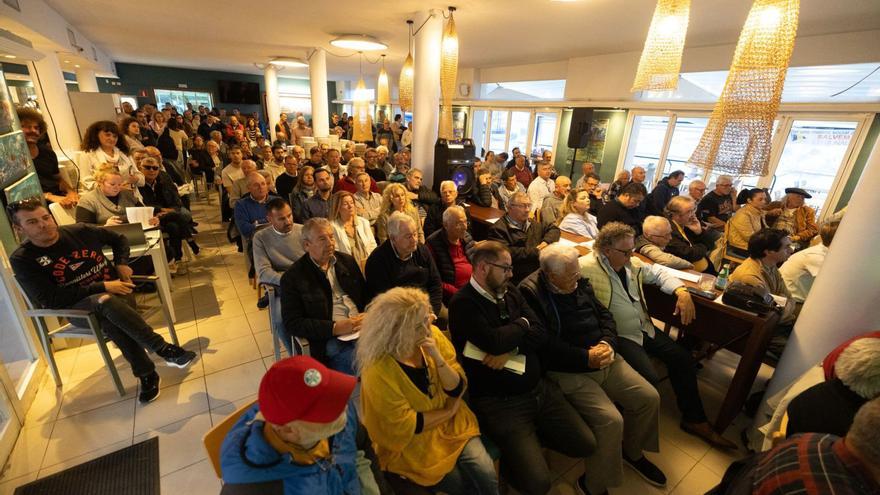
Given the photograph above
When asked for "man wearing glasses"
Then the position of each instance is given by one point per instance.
(617, 281)
(518, 408)
(656, 234)
(524, 239)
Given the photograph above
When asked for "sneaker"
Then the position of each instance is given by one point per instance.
(263, 301)
(647, 470)
(176, 356)
(149, 388)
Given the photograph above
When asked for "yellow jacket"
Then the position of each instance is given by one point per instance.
(390, 402)
(745, 222)
(804, 219)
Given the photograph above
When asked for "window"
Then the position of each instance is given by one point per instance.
(545, 132)
(179, 99)
(811, 158)
(481, 119)
(519, 131)
(645, 144)
(685, 137)
(498, 131)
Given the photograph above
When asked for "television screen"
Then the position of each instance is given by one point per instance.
(245, 93)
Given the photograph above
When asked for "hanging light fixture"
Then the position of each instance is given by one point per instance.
(405, 84)
(737, 137)
(363, 123)
(360, 42)
(382, 92)
(661, 57)
(448, 75)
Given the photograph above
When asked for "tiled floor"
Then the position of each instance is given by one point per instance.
(218, 318)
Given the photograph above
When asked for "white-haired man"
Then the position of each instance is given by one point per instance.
(524, 239)
(581, 360)
(551, 205)
(717, 206)
(656, 234)
(448, 197)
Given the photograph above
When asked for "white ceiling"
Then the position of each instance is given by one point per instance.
(227, 35)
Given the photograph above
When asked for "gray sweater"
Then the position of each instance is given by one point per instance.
(275, 253)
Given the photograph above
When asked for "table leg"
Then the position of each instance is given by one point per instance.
(160, 264)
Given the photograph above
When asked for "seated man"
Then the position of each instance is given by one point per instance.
(481, 194)
(349, 181)
(802, 267)
(287, 180)
(767, 249)
(718, 206)
(524, 239)
(299, 438)
(520, 412)
(509, 186)
(617, 280)
(160, 192)
(663, 192)
(367, 203)
(852, 377)
(624, 208)
(64, 267)
(250, 212)
(276, 248)
(401, 261)
(814, 463)
(541, 187)
(275, 162)
(323, 296)
(591, 185)
(421, 196)
(580, 359)
(448, 197)
(319, 204)
(552, 204)
(55, 187)
(689, 240)
(796, 218)
(656, 234)
(452, 247)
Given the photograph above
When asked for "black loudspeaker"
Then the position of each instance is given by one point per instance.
(454, 160)
(579, 132)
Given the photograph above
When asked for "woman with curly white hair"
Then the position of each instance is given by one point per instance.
(421, 429)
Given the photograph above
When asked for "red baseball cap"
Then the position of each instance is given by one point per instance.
(299, 388)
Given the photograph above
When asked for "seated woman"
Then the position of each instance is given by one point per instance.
(218, 160)
(354, 235)
(130, 130)
(160, 192)
(200, 160)
(574, 216)
(412, 385)
(302, 191)
(100, 145)
(451, 247)
(106, 203)
(690, 241)
(394, 198)
(746, 221)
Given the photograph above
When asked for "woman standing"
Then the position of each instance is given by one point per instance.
(574, 216)
(421, 428)
(101, 144)
(353, 233)
(302, 191)
(394, 198)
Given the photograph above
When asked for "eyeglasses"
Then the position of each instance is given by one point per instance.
(506, 268)
(521, 205)
(150, 167)
(625, 252)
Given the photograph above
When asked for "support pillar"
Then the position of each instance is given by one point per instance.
(843, 300)
(86, 80)
(273, 102)
(51, 93)
(426, 95)
(320, 102)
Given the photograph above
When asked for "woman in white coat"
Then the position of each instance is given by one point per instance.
(354, 235)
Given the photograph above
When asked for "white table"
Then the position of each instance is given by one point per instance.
(155, 248)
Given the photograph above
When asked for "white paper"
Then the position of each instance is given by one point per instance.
(516, 364)
(140, 214)
(493, 220)
(690, 277)
(349, 336)
(587, 244)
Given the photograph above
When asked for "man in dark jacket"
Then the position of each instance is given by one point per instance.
(494, 331)
(666, 189)
(160, 192)
(420, 195)
(523, 238)
(690, 239)
(401, 261)
(323, 296)
(624, 208)
(452, 249)
(448, 197)
(583, 364)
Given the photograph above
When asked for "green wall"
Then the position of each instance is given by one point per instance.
(853, 180)
(565, 162)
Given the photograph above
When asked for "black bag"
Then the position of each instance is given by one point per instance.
(749, 298)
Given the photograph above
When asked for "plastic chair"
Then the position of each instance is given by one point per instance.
(92, 331)
(297, 346)
(213, 439)
(63, 216)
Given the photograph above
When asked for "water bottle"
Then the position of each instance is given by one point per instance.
(721, 279)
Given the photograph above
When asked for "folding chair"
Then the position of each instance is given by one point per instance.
(296, 345)
(63, 216)
(213, 439)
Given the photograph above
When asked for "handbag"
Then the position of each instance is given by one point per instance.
(749, 298)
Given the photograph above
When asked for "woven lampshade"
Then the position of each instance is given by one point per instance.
(737, 137)
(661, 57)
(405, 86)
(448, 76)
(382, 97)
(363, 123)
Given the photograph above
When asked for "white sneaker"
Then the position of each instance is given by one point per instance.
(172, 267)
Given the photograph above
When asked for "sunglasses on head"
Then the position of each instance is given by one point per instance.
(28, 204)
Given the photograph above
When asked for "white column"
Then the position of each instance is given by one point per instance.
(843, 301)
(426, 95)
(273, 103)
(318, 83)
(55, 104)
(86, 80)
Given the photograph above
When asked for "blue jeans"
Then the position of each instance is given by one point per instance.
(340, 356)
(474, 472)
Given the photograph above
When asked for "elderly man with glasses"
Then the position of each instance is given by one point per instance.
(525, 239)
(656, 234)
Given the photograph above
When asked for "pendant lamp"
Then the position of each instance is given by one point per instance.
(661, 57)
(737, 137)
(363, 122)
(448, 75)
(382, 96)
(405, 85)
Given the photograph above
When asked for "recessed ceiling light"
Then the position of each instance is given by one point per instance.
(67, 61)
(76, 65)
(360, 42)
(9, 56)
(289, 62)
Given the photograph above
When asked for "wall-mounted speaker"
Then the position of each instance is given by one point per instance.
(579, 132)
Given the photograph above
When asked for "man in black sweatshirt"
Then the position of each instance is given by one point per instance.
(519, 410)
(582, 362)
(64, 267)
